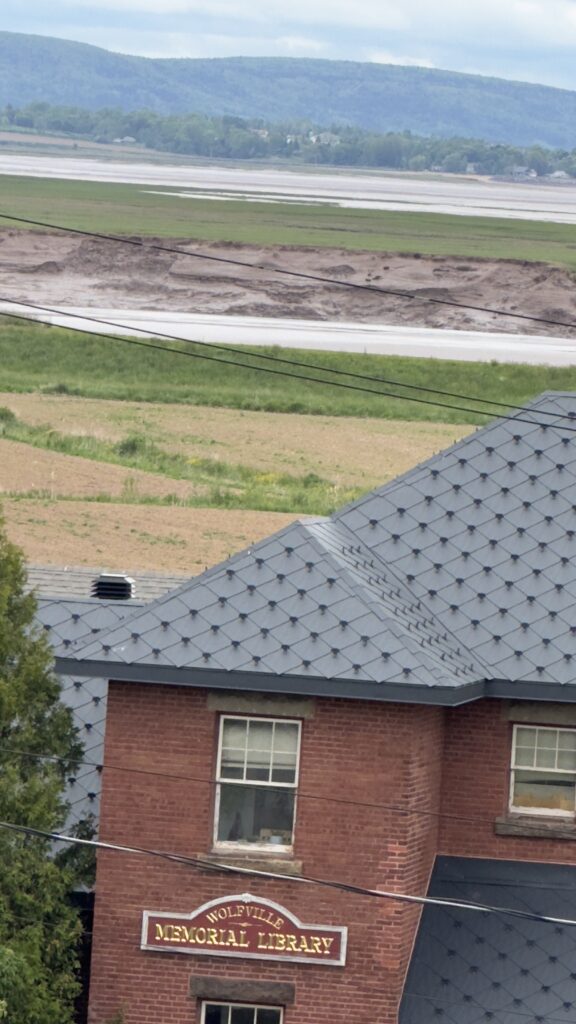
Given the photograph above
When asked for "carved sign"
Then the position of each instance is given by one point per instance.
(244, 926)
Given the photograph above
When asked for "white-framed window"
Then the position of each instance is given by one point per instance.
(257, 776)
(239, 1013)
(543, 779)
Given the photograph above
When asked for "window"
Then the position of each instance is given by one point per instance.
(257, 779)
(543, 771)
(235, 1013)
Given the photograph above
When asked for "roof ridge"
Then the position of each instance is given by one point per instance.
(395, 624)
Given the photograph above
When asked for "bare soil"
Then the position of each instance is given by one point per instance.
(126, 538)
(350, 451)
(77, 271)
(62, 528)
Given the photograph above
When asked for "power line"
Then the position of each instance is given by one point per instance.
(349, 887)
(302, 795)
(317, 278)
(249, 366)
(279, 359)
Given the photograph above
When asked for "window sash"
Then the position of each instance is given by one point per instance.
(276, 837)
(555, 741)
(278, 762)
(230, 1007)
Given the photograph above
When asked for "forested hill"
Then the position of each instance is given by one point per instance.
(373, 96)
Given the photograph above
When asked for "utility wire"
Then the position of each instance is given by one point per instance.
(249, 366)
(279, 359)
(317, 278)
(357, 890)
(302, 795)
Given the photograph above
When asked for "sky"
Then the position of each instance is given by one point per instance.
(526, 40)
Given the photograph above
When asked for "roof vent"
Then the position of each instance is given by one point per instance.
(113, 586)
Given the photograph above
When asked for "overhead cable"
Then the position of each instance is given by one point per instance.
(358, 890)
(261, 369)
(316, 278)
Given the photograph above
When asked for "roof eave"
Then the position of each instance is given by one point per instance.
(262, 682)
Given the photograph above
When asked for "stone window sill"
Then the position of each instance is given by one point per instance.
(259, 861)
(535, 828)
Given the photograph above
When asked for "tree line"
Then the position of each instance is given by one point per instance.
(231, 137)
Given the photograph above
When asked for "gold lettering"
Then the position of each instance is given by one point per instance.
(316, 945)
(200, 936)
(162, 932)
(262, 940)
(243, 943)
(280, 941)
(327, 943)
(291, 941)
(278, 922)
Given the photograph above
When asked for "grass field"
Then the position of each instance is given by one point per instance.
(56, 361)
(127, 485)
(128, 209)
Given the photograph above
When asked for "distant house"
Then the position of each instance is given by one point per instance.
(523, 171)
(324, 139)
(384, 698)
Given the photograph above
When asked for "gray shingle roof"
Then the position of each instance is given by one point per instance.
(309, 602)
(68, 614)
(485, 534)
(458, 572)
(471, 967)
(77, 581)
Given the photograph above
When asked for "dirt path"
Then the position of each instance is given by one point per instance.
(75, 271)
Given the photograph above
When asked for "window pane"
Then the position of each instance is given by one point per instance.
(234, 732)
(232, 763)
(525, 757)
(567, 759)
(215, 1014)
(545, 758)
(547, 739)
(284, 769)
(286, 737)
(268, 1017)
(254, 814)
(260, 735)
(567, 740)
(242, 1015)
(540, 792)
(526, 737)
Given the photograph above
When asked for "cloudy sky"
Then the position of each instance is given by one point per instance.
(527, 40)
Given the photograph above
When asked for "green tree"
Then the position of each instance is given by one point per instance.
(39, 929)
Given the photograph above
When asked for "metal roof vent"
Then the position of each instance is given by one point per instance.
(113, 586)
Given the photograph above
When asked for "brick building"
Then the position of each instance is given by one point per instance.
(385, 698)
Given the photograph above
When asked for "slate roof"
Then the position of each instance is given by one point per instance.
(485, 535)
(471, 967)
(309, 604)
(77, 581)
(69, 615)
(455, 580)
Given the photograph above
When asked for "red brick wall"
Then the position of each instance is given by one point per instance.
(475, 788)
(353, 755)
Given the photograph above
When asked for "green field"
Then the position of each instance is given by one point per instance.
(130, 210)
(56, 361)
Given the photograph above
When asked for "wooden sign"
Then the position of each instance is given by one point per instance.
(244, 926)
